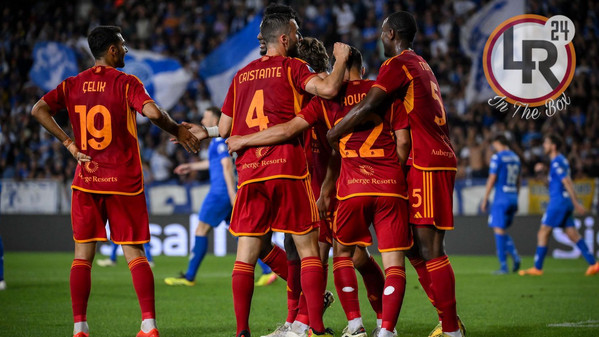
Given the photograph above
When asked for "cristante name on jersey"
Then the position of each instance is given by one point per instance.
(260, 74)
(442, 153)
(93, 86)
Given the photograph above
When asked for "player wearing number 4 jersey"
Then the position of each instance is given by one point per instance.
(371, 189)
(108, 185)
(408, 77)
(274, 187)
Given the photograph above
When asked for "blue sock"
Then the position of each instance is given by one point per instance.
(265, 268)
(148, 253)
(511, 248)
(1, 260)
(113, 254)
(585, 251)
(500, 245)
(197, 255)
(540, 257)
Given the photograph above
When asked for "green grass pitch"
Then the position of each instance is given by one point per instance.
(563, 302)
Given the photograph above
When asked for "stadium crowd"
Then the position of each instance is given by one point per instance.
(189, 29)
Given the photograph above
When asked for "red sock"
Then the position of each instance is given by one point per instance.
(302, 310)
(395, 287)
(243, 289)
(313, 289)
(443, 287)
(277, 261)
(325, 267)
(294, 289)
(346, 284)
(143, 282)
(374, 280)
(81, 283)
(424, 278)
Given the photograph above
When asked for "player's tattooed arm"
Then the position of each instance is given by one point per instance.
(42, 113)
(273, 135)
(373, 103)
(329, 86)
(163, 120)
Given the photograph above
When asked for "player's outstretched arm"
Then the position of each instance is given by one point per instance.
(328, 185)
(369, 105)
(224, 125)
(163, 120)
(41, 112)
(273, 135)
(569, 186)
(329, 86)
(188, 167)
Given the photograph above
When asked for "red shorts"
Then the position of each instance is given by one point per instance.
(127, 216)
(387, 214)
(326, 226)
(431, 198)
(281, 205)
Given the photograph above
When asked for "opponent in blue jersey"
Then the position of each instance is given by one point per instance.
(218, 203)
(504, 175)
(562, 203)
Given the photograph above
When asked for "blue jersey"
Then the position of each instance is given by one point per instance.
(558, 196)
(216, 152)
(506, 165)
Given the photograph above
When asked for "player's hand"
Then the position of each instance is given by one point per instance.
(579, 208)
(235, 143)
(333, 139)
(186, 138)
(341, 51)
(74, 150)
(323, 203)
(483, 206)
(182, 169)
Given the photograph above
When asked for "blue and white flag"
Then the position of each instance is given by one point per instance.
(220, 66)
(473, 37)
(52, 63)
(164, 78)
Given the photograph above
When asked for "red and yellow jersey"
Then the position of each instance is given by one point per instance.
(408, 77)
(318, 153)
(101, 102)
(369, 161)
(266, 92)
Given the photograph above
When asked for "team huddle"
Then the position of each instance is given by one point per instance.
(320, 157)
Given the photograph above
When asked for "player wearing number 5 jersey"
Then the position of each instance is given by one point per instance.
(108, 185)
(408, 77)
(504, 175)
(274, 187)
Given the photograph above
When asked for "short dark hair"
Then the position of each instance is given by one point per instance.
(556, 140)
(404, 25)
(312, 50)
(355, 58)
(102, 37)
(273, 26)
(215, 111)
(502, 139)
(275, 8)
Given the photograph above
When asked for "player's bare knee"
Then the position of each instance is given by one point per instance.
(132, 252)
(203, 229)
(573, 234)
(340, 250)
(360, 256)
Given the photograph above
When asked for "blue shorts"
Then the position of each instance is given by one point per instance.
(502, 215)
(215, 209)
(558, 217)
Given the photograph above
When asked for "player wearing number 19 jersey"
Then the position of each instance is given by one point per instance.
(108, 183)
(408, 77)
